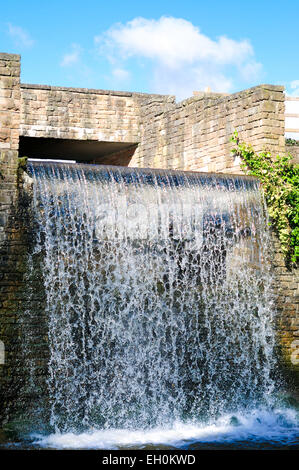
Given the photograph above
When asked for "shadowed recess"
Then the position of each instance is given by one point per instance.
(88, 151)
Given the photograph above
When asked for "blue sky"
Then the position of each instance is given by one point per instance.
(167, 46)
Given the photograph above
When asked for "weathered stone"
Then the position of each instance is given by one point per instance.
(294, 151)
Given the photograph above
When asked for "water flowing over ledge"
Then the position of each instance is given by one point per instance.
(159, 302)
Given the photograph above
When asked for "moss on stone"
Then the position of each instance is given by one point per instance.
(22, 163)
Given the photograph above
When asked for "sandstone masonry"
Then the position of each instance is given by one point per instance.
(294, 151)
(10, 103)
(195, 134)
(191, 135)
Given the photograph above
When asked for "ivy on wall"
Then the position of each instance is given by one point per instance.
(280, 184)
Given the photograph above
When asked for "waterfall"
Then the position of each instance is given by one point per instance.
(158, 295)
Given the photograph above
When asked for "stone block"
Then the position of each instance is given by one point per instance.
(5, 71)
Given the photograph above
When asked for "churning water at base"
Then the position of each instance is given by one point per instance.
(158, 297)
(257, 429)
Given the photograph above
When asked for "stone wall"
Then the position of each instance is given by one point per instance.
(294, 151)
(73, 113)
(13, 242)
(9, 134)
(286, 288)
(83, 114)
(191, 135)
(195, 134)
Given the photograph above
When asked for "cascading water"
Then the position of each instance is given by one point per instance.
(158, 296)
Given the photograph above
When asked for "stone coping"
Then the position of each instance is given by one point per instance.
(90, 91)
(5, 56)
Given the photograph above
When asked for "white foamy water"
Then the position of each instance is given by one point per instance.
(279, 426)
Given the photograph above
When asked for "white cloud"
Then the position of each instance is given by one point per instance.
(121, 74)
(20, 36)
(293, 89)
(183, 59)
(182, 82)
(72, 57)
(172, 41)
(250, 71)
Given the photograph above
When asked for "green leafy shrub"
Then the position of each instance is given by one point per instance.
(280, 184)
(289, 141)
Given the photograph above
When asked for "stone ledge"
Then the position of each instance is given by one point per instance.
(212, 99)
(90, 91)
(5, 56)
